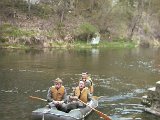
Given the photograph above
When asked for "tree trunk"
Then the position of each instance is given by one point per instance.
(62, 16)
(29, 8)
(136, 20)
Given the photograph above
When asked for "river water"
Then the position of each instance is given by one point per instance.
(121, 77)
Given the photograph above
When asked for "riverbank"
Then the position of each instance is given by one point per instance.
(151, 101)
(61, 44)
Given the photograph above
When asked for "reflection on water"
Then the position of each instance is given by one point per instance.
(121, 77)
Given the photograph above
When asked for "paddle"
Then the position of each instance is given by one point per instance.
(38, 98)
(42, 100)
(98, 112)
(96, 97)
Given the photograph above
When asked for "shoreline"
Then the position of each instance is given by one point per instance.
(73, 45)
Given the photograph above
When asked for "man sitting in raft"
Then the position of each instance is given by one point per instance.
(81, 92)
(88, 81)
(57, 95)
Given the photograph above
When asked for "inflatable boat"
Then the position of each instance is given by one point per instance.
(46, 113)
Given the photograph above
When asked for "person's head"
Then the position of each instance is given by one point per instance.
(84, 75)
(57, 83)
(81, 84)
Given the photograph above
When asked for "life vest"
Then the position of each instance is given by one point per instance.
(57, 94)
(82, 95)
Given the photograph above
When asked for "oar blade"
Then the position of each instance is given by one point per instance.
(96, 97)
(38, 98)
(102, 115)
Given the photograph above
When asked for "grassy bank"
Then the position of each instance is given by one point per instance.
(16, 37)
(78, 44)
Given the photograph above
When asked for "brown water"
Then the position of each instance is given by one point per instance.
(121, 77)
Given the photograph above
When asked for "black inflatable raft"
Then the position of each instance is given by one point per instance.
(54, 114)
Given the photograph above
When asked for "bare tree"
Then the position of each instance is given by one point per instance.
(136, 19)
(29, 8)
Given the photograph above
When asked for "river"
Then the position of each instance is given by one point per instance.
(121, 77)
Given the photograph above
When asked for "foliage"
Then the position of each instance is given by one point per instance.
(85, 31)
(3, 40)
(13, 31)
(17, 46)
(118, 20)
(87, 28)
(81, 44)
(20, 5)
(42, 10)
(117, 44)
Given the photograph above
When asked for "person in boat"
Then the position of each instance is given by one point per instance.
(81, 92)
(88, 81)
(57, 95)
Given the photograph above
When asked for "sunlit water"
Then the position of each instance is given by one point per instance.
(121, 77)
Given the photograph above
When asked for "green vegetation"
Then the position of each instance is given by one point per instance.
(13, 31)
(103, 44)
(18, 47)
(78, 44)
(85, 31)
(87, 28)
(117, 44)
(42, 10)
(73, 23)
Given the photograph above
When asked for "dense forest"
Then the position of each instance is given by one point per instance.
(44, 22)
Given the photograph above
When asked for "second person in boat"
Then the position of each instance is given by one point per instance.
(80, 93)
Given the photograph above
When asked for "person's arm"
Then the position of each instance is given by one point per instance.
(64, 99)
(89, 96)
(73, 97)
(49, 95)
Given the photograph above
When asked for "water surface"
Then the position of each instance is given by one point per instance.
(121, 77)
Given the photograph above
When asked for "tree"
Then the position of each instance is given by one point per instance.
(29, 8)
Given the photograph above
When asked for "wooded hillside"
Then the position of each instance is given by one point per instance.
(42, 22)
